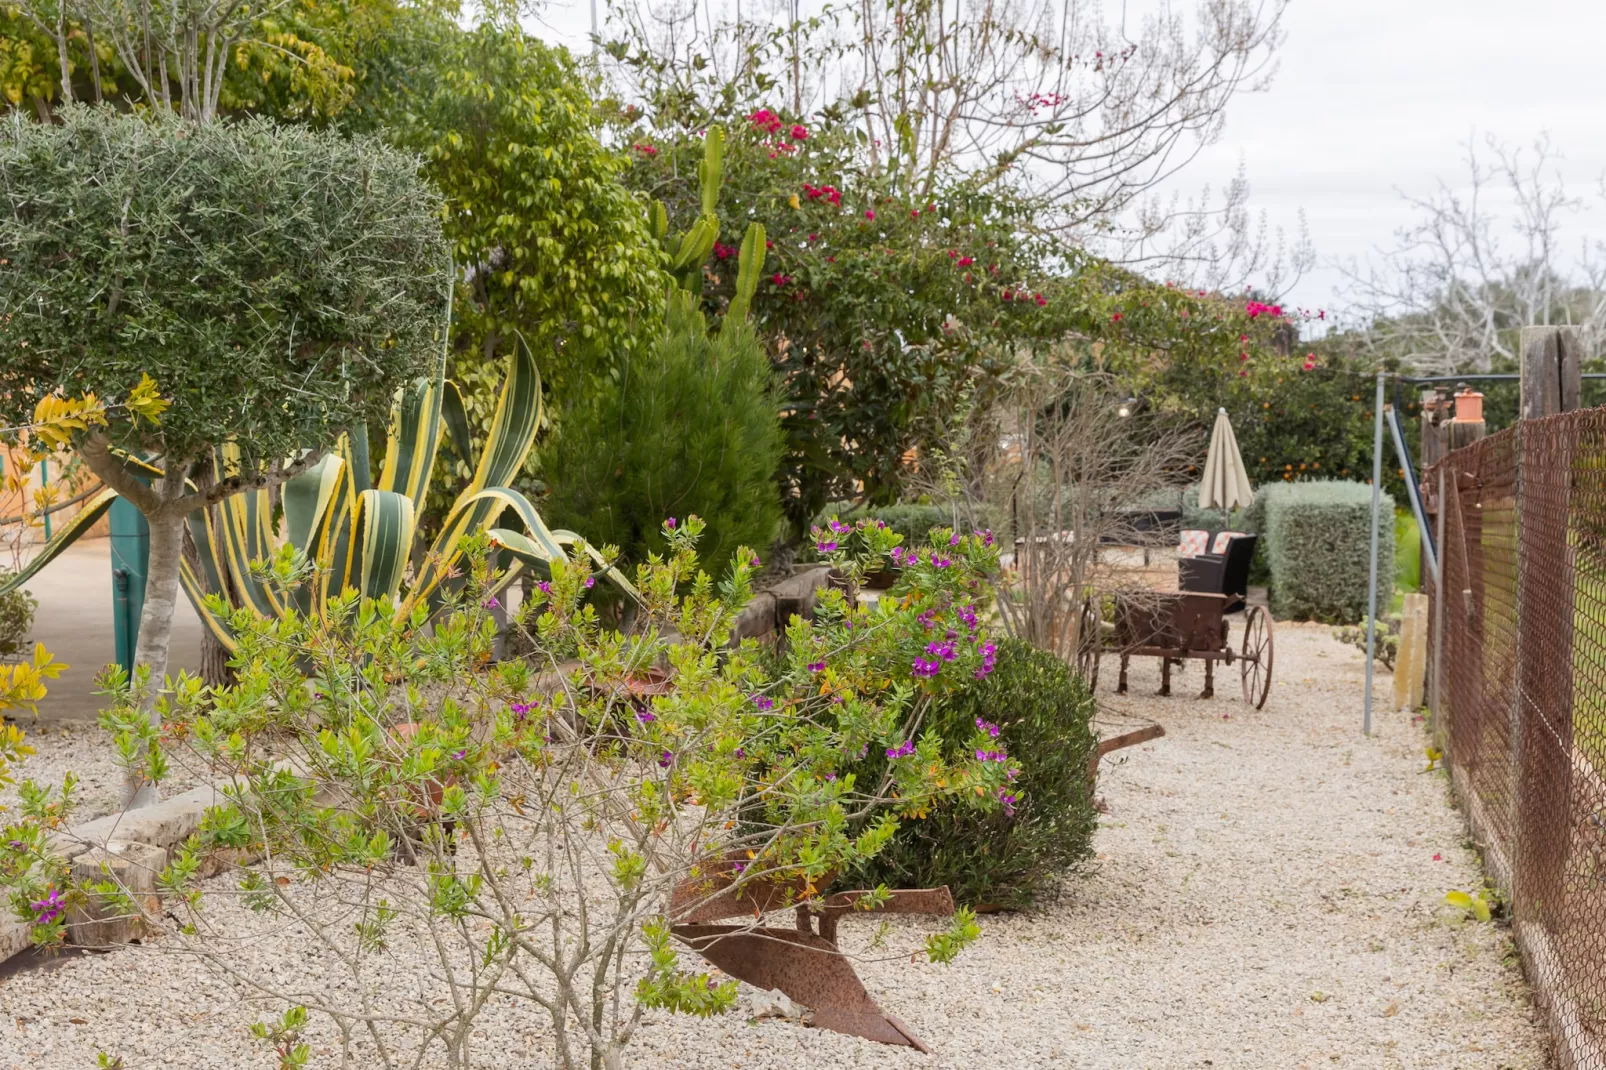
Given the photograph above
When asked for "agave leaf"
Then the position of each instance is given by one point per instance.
(382, 532)
(65, 536)
(413, 440)
(307, 499)
(455, 413)
(529, 552)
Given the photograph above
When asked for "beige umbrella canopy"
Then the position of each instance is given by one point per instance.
(1226, 484)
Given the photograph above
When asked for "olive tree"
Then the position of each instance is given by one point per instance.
(278, 284)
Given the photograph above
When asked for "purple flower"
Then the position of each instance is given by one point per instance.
(945, 651)
(644, 717)
(953, 540)
(967, 613)
(755, 562)
(897, 555)
(1009, 801)
(670, 523)
(764, 702)
(902, 750)
(16, 845)
(739, 867)
(491, 603)
(591, 581)
(665, 759)
(816, 666)
(989, 655)
(825, 546)
(991, 756)
(988, 727)
(460, 755)
(940, 562)
(986, 537)
(740, 753)
(922, 667)
(48, 909)
(830, 776)
(838, 527)
(543, 586)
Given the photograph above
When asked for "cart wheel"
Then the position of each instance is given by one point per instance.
(1255, 656)
(1088, 641)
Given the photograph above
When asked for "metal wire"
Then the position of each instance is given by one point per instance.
(1522, 703)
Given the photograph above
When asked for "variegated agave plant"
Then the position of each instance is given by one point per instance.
(361, 533)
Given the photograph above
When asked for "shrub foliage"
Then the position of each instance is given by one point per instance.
(1318, 538)
(1044, 713)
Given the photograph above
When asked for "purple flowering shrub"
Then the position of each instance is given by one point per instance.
(1033, 711)
(524, 825)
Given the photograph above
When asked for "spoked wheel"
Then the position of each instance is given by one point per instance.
(1255, 656)
(1088, 641)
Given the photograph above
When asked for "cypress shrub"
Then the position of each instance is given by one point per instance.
(1044, 712)
(689, 427)
(1318, 537)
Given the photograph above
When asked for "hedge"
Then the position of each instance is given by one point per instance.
(911, 520)
(1045, 717)
(1317, 538)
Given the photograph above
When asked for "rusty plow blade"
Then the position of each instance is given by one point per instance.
(804, 964)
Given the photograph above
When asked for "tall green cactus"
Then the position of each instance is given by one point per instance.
(689, 249)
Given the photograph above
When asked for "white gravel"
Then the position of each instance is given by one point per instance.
(1268, 892)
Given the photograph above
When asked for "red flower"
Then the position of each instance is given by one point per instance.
(869, 213)
(1040, 299)
(952, 253)
(724, 252)
(645, 149)
(966, 261)
(799, 132)
(814, 237)
(779, 279)
(1009, 295)
(914, 213)
(1115, 318)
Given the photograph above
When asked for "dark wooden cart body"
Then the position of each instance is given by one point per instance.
(1176, 626)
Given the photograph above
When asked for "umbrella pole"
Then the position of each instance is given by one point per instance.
(1371, 587)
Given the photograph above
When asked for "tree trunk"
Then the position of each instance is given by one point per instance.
(156, 621)
(215, 670)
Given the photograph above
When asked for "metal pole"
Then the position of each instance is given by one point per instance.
(1371, 587)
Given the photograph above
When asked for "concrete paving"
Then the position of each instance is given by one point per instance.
(74, 621)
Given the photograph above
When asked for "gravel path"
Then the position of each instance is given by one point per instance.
(1269, 892)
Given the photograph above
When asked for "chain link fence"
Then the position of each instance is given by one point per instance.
(1518, 681)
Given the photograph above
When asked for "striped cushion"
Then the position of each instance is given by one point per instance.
(1193, 543)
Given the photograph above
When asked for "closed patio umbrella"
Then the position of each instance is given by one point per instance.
(1226, 484)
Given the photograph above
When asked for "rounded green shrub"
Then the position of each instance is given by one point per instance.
(1044, 713)
(16, 620)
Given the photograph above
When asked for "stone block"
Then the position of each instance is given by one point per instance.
(133, 867)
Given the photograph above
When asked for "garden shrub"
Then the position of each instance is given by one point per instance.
(690, 427)
(16, 620)
(1044, 714)
(1317, 542)
(912, 520)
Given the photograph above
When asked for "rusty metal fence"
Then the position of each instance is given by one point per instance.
(1519, 686)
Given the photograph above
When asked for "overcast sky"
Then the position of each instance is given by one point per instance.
(1373, 98)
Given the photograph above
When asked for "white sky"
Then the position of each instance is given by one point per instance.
(1373, 98)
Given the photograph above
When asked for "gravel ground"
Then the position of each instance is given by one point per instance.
(86, 751)
(1268, 892)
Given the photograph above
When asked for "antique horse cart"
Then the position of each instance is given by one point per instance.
(1175, 626)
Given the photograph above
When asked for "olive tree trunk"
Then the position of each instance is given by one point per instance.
(156, 619)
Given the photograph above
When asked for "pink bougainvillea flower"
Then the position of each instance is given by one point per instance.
(800, 132)
(1040, 299)
(966, 261)
(1115, 318)
(869, 213)
(779, 279)
(1008, 295)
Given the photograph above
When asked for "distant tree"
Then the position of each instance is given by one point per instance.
(1451, 296)
(278, 283)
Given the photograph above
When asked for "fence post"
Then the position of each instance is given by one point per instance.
(1541, 715)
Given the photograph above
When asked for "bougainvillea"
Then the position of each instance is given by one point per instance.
(891, 306)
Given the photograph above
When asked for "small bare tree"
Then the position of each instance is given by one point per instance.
(1066, 465)
(1084, 113)
(1453, 296)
